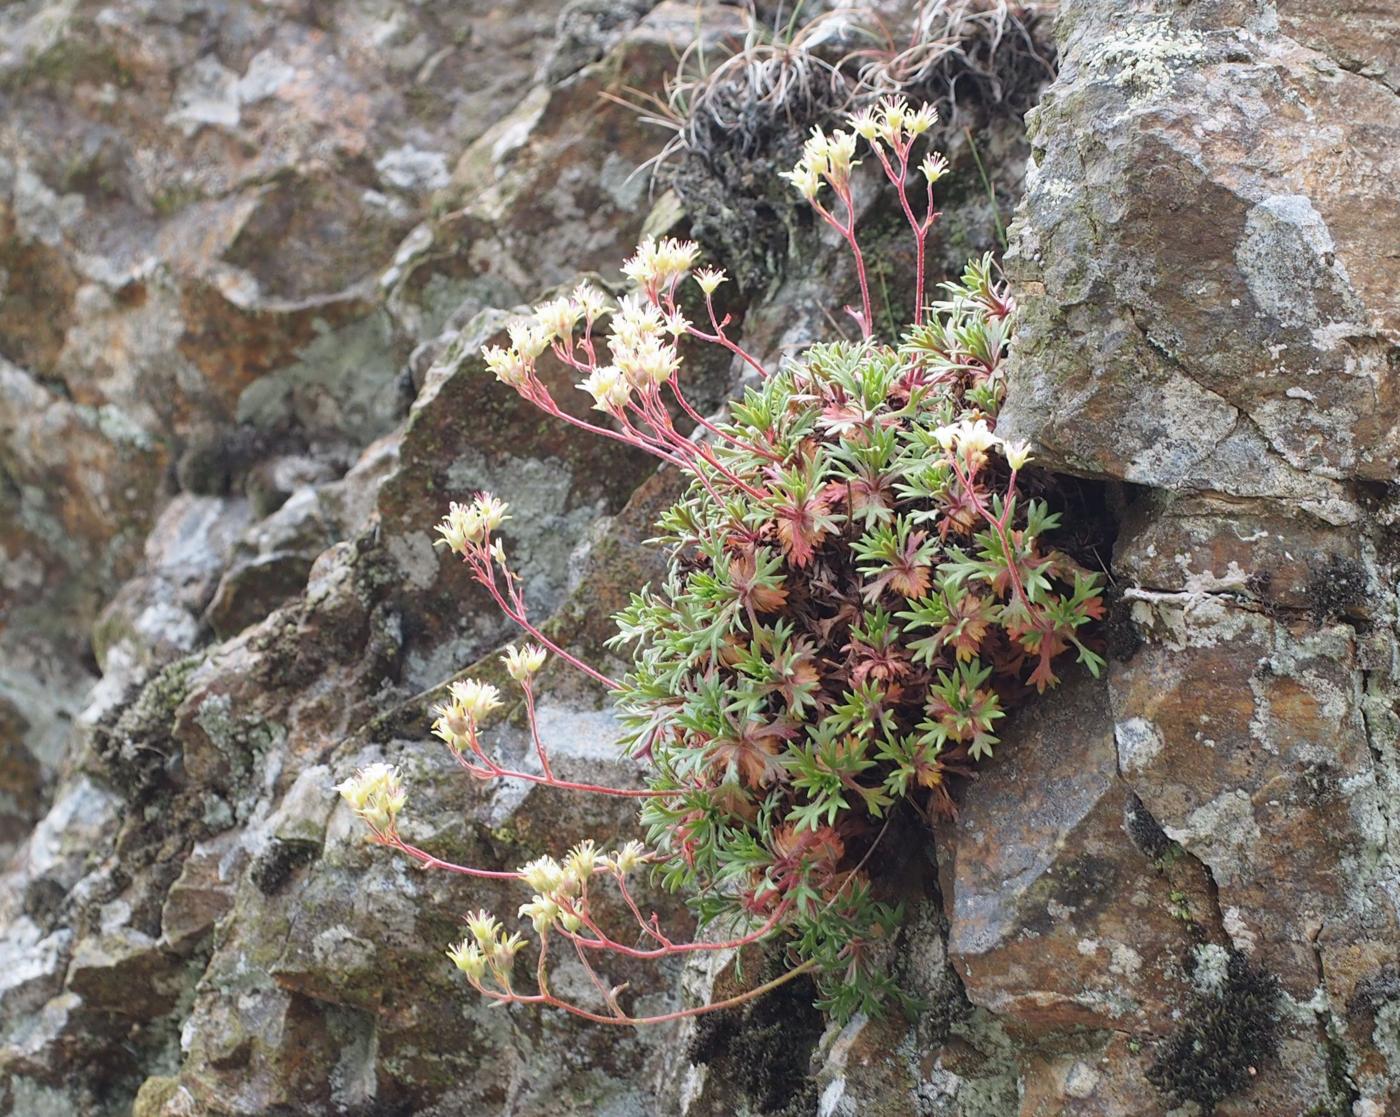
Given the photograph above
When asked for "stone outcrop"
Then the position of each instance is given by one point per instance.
(1211, 331)
(248, 257)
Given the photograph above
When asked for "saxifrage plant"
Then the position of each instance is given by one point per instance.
(857, 593)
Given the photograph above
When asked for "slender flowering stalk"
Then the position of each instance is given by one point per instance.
(828, 160)
(618, 1017)
(895, 125)
(466, 530)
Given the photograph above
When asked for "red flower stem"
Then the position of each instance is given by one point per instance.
(485, 573)
(647, 928)
(675, 387)
(554, 410)
(495, 771)
(535, 727)
(848, 231)
(920, 228)
(605, 942)
(719, 337)
(563, 353)
(597, 982)
(638, 1021)
(437, 863)
(1037, 621)
(654, 412)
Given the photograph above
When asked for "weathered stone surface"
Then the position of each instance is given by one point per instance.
(195, 210)
(1247, 347)
(322, 984)
(1197, 259)
(1063, 912)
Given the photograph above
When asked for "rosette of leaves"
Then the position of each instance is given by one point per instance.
(847, 645)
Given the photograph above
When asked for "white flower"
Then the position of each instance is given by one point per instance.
(840, 155)
(375, 793)
(522, 662)
(508, 366)
(582, 860)
(453, 726)
(629, 857)
(816, 151)
(970, 440)
(976, 437)
(658, 264)
(918, 123)
(484, 928)
(709, 279)
(635, 321)
(460, 527)
(609, 389)
(507, 948)
(558, 317)
(934, 166)
(528, 338)
(895, 111)
(542, 912)
(805, 178)
(590, 302)
(476, 700)
(648, 362)
(490, 511)
(544, 875)
(1017, 454)
(467, 524)
(866, 123)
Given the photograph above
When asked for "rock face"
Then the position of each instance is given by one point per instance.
(1209, 322)
(247, 257)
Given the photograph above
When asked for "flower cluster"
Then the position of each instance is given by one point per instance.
(470, 704)
(376, 794)
(466, 524)
(561, 890)
(825, 159)
(487, 948)
(862, 582)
